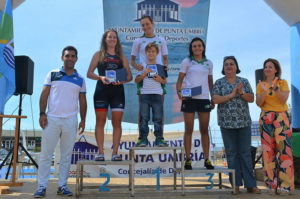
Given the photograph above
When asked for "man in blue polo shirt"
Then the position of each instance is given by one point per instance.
(62, 90)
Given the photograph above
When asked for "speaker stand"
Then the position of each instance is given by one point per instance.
(14, 151)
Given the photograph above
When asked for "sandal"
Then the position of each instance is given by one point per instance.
(272, 192)
(116, 158)
(284, 192)
(237, 191)
(99, 157)
(254, 190)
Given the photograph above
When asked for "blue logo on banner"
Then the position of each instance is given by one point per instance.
(160, 11)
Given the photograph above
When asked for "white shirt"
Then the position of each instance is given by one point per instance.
(64, 93)
(196, 74)
(150, 86)
(140, 44)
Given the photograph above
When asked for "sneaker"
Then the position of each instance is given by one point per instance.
(64, 191)
(208, 164)
(160, 142)
(40, 193)
(188, 164)
(142, 142)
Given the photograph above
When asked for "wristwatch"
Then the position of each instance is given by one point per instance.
(42, 113)
(242, 93)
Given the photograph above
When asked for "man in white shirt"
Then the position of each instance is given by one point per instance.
(63, 89)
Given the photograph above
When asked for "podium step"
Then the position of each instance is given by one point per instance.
(107, 162)
(215, 170)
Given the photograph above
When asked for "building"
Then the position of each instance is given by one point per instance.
(33, 139)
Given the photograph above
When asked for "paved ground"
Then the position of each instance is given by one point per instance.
(146, 192)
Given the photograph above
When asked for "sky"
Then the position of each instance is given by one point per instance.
(249, 30)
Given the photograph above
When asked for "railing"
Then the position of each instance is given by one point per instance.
(83, 155)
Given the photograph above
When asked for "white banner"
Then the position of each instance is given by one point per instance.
(145, 161)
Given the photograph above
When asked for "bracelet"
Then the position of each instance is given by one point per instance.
(42, 113)
(178, 91)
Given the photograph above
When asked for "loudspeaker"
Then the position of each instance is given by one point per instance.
(259, 75)
(24, 75)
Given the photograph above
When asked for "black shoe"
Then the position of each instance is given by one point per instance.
(208, 164)
(188, 164)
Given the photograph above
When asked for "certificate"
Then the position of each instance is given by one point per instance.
(121, 75)
(190, 92)
(110, 75)
(186, 92)
(197, 90)
(153, 68)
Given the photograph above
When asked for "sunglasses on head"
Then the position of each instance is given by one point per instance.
(229, 57)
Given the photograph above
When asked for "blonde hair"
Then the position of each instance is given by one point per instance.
(150, 45)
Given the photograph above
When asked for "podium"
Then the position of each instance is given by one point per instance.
(79, 173)
(176, 170)
(217, 170)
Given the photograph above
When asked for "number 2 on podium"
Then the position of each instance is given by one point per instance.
(102, 187)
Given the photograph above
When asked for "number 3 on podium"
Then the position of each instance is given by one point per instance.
(209, 180)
